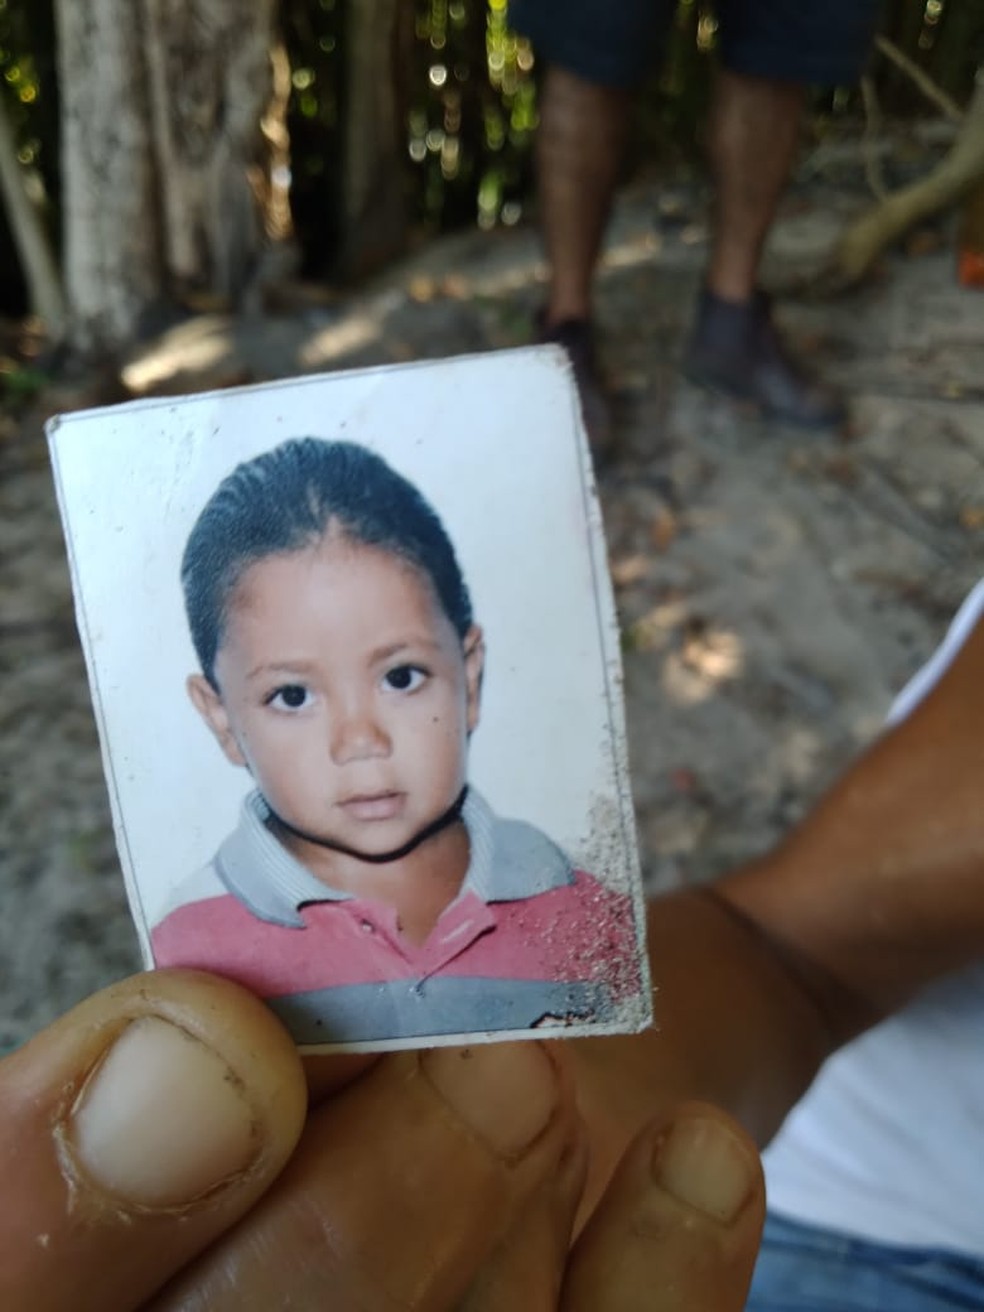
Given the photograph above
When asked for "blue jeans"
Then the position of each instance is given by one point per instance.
(803, 1269)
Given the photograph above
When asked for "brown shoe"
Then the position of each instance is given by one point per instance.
(576, 336)
(736, 349)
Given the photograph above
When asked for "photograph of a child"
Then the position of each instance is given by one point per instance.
(368, 890)
(354, 663)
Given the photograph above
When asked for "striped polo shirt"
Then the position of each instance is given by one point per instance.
(527, 940)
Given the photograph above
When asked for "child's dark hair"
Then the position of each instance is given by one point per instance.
(287, 499)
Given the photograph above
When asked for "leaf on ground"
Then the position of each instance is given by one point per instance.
(422, 289)
(842, 469)
(924, 241)
(629, 569)
(456, 287)
(684, 780)
(663, 529)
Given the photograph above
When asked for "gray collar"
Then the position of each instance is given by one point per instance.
(509, 860)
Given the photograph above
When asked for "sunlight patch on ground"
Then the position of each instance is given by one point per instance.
(513, 278)
(190, 348)
(653, 631)
(705, 661)
(801, 752)
(352, 334)
(640, 248)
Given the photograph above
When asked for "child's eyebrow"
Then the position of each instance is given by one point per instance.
(405, 644)
(281, 667)
(301, 667)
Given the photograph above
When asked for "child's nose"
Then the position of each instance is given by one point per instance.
(357, 736)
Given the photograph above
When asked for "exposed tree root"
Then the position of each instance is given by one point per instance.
(866, 237)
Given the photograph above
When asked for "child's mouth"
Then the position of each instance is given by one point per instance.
(374, 806)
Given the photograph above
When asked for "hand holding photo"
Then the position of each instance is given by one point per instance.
(371, 888)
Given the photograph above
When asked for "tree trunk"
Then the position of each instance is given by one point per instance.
(162, 153)
(374, 226)
(113, 257)
(209, 80)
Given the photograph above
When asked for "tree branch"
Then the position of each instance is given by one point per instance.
(961, 168)
(934, 94)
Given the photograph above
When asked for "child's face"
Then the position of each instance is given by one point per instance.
(347, 694)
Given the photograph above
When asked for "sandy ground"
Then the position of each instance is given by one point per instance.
(775, 589)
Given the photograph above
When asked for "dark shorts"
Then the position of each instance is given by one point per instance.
(615, 42)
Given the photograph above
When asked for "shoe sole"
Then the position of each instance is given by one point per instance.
(715, 387)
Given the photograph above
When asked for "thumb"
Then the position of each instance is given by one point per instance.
(135, 1130)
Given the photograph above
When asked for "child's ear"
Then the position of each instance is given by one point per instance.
(208, 704)
(474, 650)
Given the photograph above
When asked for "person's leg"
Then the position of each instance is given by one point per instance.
(753, 136)
(595, 54)
(771, 52)
(579, 148)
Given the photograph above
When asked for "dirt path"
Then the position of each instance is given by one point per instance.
(775, 589)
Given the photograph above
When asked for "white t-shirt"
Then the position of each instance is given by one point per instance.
(888, 1144)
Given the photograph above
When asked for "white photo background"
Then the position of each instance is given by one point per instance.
(494, 443)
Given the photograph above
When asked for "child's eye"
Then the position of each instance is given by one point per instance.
(291, 697)
(404, 678)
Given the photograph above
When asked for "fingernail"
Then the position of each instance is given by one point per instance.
(506, 1092)
(162, 1120)
(701, 1163)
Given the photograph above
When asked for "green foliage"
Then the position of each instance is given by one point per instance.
(472, 113)
(27, 70)
(29, 88)
(470, 104)
(19, 383)
(674, 101)
(314, 34)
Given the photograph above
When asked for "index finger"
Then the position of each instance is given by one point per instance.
(679, 1227)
